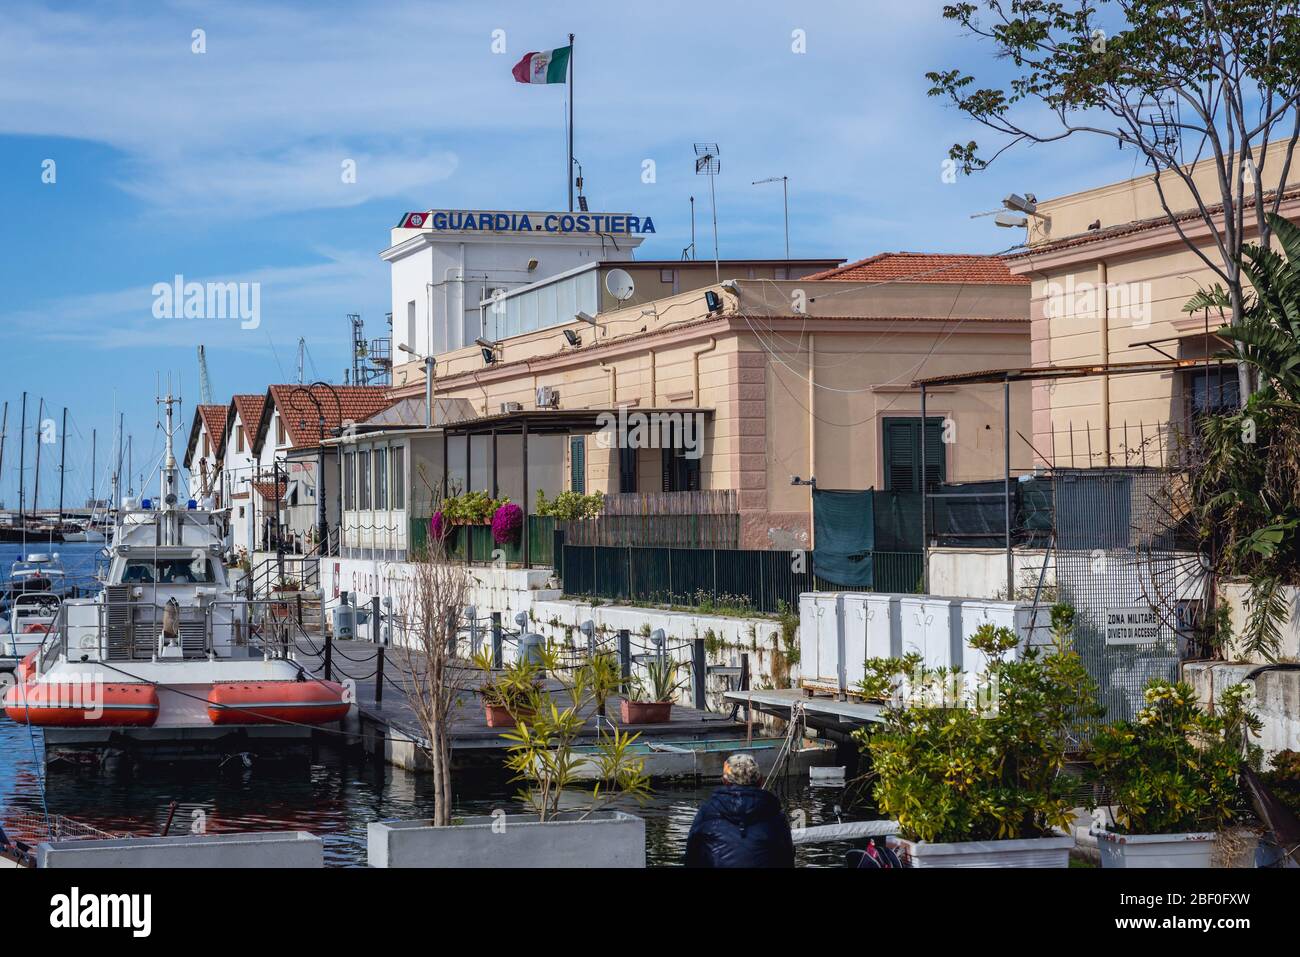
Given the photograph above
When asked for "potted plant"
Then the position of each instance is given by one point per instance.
(566, 825)
(650, 700)
(507, 695)
(974, 774)
(1172, 777)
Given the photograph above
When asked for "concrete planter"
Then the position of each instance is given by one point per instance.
(604, 839)
(1155, 850)
(645, 712)
(1029, 852)
(241, 850)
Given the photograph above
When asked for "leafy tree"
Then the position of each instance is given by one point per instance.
(1245, 484)
(1182, 81)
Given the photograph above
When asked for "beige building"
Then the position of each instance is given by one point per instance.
(1110, 276)
(802, 377)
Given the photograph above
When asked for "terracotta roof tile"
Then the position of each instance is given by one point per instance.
(249, 408)
(924, 267)
(268, 489)
(300, 414)
(214, 421)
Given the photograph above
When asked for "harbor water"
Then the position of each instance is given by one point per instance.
(333, 792)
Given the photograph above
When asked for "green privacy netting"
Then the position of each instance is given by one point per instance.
(844, 525)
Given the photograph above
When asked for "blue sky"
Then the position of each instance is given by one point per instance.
(226, 166)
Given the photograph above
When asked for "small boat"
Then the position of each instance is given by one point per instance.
(31, 615)
(170, 659)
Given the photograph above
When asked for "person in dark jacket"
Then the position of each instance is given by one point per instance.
(740, 825)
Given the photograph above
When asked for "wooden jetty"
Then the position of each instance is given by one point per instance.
(389, 726)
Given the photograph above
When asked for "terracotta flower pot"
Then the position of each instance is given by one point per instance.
(646, 712)
(499, 716)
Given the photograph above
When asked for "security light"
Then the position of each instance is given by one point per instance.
(1010, 221)
(585, 317)
(573, 338)
(713, 301)
(405, 348)
(1021, 204)
(489, 356)
(486, 343)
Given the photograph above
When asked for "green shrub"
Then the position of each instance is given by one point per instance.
(951, 771)
(1174, 768)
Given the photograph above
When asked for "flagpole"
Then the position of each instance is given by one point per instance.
(569, 170)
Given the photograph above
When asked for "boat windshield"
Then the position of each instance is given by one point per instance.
(167, 571)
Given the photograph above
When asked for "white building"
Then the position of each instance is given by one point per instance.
(447, 265)
(239, 465)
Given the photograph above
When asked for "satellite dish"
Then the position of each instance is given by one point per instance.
(619, 284)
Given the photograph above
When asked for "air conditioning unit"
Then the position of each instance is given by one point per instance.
(548, 397)
(508, 407)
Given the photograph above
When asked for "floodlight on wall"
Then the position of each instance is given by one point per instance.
(573, 338)
(1022, 204)
(713, 301)
(585, 317)
(489, 356)
(1010, 220)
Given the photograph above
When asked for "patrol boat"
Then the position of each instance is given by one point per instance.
(170, 660)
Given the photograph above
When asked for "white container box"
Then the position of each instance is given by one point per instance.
(1017, 616)
(931, 626)
(821, 639)
(872, 629)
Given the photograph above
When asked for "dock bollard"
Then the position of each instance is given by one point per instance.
(699, 673)
(329, 657)
(376, 631)
(625, 653)
(496, 639)
(379, 674)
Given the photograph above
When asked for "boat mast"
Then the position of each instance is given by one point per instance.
(22, 468)
(63, 459)
(94, 440)
(36, 474)
(4, 427)
(170, 475)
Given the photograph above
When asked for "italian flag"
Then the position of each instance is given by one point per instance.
(546, 66)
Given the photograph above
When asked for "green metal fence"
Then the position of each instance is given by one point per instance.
(720, 577)
(474, 543)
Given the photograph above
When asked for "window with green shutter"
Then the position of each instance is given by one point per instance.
(578, 464)
(902, 437)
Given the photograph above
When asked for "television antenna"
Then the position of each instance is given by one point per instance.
(785, 203)
(708, 164)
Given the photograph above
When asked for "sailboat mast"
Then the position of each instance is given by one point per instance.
(36, 474)
(63, 460)
(22, 465)
(4, 427)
